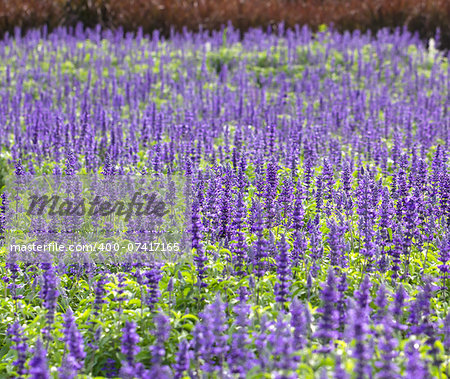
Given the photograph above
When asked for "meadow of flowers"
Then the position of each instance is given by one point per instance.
(318, 173)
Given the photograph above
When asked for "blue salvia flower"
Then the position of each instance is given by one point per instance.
(155, 372)
(307, 174)
(286, 199)
(73, 340)
(57, 171)
(282, 346)
(13, 266)
(242, 177)
(357, 331)
(283, 272)
(108, 168)
(199, 255)
(100, 293)
(49, 294)
(271, 191)
(31, 169)
(421, 319)
(19, 170)
(129, 341)
(128, 371)
(162, 332)
(210, 210)
(385, 223)
(316, 246)
(240, 358)
(444, 194)
(38, 363)
(381, 304)
(210, 342)
(170, 285)
(260, 245)
(299, 249)
(446, 331)
(397, 251)
(309, 283)
(328, 316)
(419, 310)
(4, 203)
(397, 308)
(341, 304)
(120, 297)
(110, 367)
(359, 327)
(239, 253)
(15, 332)
(68, 369)
(182, 360)
(225, 208)
(328, 182)
(71, 163)
(153, 276)
(252, 220)
(346, 179)
(444, 257)
(319, 194)
(387, 345)
(299, 324)
(339, 372)
(415, 367)
(336, 243)
(363, 294)
(3, 220)
(366, 214)
(298, 213)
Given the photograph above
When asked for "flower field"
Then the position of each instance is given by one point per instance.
(315, 174)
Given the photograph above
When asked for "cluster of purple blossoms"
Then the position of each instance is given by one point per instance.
(74, 359)
(15, 332)
(315, 170)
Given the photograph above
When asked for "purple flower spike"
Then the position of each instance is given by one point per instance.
(38, 364)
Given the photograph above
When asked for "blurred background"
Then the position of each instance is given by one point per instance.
(429, 18)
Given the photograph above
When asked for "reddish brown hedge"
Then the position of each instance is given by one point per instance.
(423, 16)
